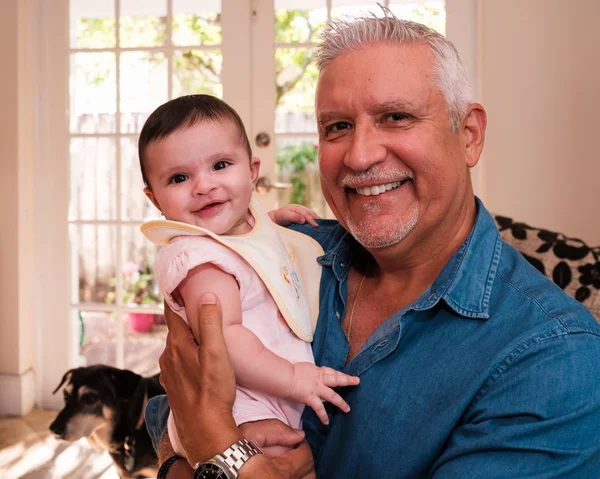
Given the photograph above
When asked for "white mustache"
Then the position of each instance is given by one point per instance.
(375, 175)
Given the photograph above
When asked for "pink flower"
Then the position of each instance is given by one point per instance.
(129, 269)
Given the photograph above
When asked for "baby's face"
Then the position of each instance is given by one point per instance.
(202, 176)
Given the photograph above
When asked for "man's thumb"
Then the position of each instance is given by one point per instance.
(210, 318)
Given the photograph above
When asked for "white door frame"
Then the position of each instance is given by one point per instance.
(55, 339)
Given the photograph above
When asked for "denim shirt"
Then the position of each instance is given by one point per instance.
(492, 373)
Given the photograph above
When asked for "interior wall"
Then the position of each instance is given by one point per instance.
(16, 197)
(540, 80)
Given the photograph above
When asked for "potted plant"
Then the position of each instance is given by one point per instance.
(139, 288)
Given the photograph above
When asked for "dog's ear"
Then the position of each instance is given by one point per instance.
(125, 382)
(65, 378)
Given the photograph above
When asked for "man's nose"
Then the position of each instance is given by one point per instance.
(366, 149)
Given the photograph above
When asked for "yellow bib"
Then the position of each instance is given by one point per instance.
(285, 260)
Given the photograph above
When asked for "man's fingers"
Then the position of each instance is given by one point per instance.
(296, 464)
(210, 321)
(272, 433)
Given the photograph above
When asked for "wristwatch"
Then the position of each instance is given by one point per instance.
(228, 464)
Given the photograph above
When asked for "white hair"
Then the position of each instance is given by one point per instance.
(342, 34)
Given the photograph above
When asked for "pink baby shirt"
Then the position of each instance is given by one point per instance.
(259, 314)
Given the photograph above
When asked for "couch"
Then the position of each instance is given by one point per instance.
(569, 262)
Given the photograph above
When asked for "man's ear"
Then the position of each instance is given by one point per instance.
(151, 197)
(473, 129)
(254, 169)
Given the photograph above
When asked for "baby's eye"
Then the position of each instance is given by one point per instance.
(178, 178)
(221, 165)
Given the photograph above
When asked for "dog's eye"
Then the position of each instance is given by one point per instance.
(88, 398)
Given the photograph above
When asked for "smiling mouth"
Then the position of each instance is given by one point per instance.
(379, 189)
(208, 208)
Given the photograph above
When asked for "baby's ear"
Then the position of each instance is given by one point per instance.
(151, 197)
(254, 169)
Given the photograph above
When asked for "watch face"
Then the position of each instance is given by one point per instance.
(210, 471)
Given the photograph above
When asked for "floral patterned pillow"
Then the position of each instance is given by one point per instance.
(569, 262)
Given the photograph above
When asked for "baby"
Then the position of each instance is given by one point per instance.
(199, 171)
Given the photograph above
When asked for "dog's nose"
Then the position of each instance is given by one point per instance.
(57, 429)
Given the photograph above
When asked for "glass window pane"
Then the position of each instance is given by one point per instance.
(297, 164)
(134, 204)
(197, 71)
(94, 254)
(145, 337)
(93, 179)
(93, 101)
(139, 284)
(143, 87)
(296, 80)
(354, 8)
(196, 23)
(92, 24)
(430, 13)
(143, 23)
(299, 21)
(98, 337)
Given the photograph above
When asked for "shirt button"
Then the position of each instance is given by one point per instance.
(342, 265)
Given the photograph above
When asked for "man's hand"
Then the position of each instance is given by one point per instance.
(200, 382)
(200, 385)
(271, 433)
(286, 215)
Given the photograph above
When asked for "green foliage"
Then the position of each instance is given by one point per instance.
(296, 158)
(139, 286)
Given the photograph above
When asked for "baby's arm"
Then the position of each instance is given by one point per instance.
(288, 214)
(255, 366)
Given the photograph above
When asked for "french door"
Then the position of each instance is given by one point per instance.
(126, 57)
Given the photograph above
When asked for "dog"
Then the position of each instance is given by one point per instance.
(106, 405)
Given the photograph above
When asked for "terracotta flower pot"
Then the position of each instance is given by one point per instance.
(140, 322)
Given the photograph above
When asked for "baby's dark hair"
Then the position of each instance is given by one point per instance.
(184, 112)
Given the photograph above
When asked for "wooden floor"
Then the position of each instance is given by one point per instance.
(28, 450)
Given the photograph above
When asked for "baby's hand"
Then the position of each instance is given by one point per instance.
(289, 214)
(312, 384)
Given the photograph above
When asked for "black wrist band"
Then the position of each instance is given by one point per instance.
(164, 469)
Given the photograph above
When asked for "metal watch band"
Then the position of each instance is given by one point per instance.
(239, 452)
(234, 457)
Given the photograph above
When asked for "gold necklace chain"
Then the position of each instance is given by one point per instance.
(349, 329)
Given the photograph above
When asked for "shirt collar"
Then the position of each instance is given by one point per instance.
(465, 283)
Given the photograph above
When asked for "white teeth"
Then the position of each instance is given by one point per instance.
(378, 189)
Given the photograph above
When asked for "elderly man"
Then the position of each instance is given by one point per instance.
(471, 363)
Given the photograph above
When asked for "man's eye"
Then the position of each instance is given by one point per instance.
(396, 116)
(178, 178)
(221, 165)
(339, 126)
